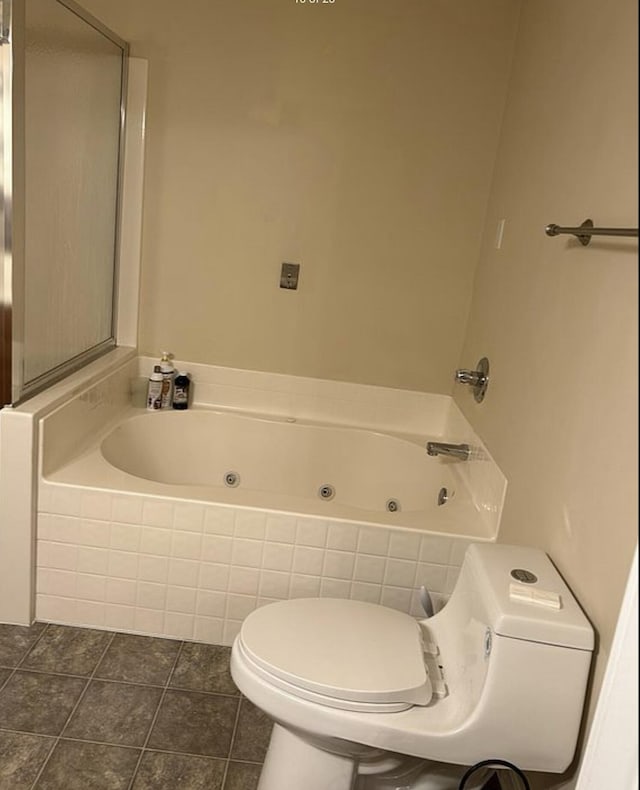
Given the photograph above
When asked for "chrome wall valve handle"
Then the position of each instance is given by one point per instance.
(477, 379)
(471, 377)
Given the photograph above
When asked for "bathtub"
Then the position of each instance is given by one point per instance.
(283, 464)
(179, 524)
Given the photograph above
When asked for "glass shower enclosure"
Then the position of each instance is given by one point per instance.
(62, 92)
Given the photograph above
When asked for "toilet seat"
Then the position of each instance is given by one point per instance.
(341, 653)
(321, 699)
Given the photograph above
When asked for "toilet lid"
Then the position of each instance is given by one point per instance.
(341, 649)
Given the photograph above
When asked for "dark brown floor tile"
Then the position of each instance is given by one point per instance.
(118, 713)
(161, 771)
(139, 659)
(88, 766)
(204, 668)
(21, 757)
(252, 733)
(194, 723)
(242, 776)
(73, 651)
(15, 640)
(35, 702)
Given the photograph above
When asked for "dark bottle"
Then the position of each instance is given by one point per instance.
(181, 391)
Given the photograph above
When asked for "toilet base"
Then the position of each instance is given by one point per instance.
(294, 762)
(427, 776)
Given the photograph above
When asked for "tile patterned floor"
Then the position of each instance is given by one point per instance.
(94, 710)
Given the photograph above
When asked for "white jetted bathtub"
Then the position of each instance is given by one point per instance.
(284, 464)
(180, 523)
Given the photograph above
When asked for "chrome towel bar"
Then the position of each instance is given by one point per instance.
(586, 231)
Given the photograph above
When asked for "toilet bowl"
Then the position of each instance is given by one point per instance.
(362, 694)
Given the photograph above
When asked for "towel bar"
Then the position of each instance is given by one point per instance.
(586, 231)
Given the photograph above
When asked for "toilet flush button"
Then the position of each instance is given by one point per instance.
(520, 593)
(547, 598)
(530, 595)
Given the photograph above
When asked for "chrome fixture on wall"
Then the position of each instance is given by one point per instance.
(586, 231)
(477, 379)
(462, 451)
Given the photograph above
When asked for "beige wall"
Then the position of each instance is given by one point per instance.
(356, 138)
(558, 320)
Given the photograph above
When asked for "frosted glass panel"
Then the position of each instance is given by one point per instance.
(72, 104)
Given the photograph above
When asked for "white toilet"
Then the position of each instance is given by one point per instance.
(362, 694)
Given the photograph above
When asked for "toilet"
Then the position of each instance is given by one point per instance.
(367, 698)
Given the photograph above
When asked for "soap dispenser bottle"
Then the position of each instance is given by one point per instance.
(168, 374)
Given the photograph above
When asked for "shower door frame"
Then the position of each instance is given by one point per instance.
(13, 388)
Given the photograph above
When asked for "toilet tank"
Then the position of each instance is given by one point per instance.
(521, 595)
(516, 650)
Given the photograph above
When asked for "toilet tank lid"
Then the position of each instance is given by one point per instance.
(525, 596)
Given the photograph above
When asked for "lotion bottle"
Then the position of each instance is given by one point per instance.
(154, 390)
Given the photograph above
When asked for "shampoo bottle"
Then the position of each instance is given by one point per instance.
(168, 373)
(181, 391)
(154, 390)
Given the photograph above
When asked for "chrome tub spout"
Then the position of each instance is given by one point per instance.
(462, 451)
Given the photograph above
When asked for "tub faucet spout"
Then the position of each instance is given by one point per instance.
(462, 451)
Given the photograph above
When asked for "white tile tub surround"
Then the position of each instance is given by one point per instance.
(190, 570)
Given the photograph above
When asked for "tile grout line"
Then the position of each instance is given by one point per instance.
(26, 653)
(58, 738)
(126, 746)
(13, 672)
(233, 738)
(116, 680)
(155, 716)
